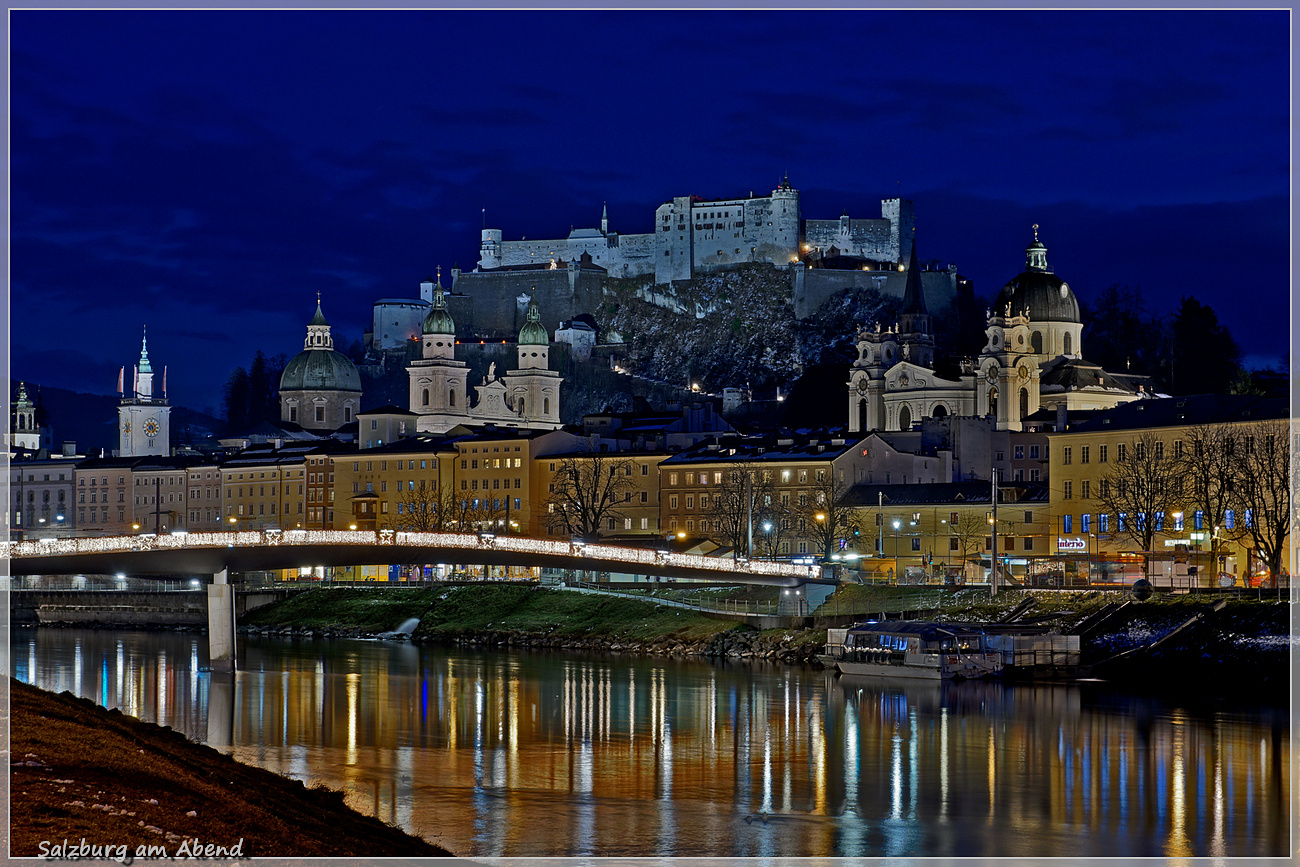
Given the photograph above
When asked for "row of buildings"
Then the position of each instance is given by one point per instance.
(910, 504)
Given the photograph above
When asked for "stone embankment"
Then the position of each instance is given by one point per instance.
(791, 648)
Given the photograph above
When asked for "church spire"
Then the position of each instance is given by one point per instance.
(914, 327)
(604, 218)
(913, 296)
(144, 352)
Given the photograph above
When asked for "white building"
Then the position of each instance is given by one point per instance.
(143, 420)
(1032, 360)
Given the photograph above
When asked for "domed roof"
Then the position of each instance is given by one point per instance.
(1047, 297)
(320, 370)
(318, 367)
(533, 333)
(439, 320)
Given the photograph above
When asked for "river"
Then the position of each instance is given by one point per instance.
(528, 754)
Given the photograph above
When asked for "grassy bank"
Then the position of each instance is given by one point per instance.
(381, 609)
(80, 771)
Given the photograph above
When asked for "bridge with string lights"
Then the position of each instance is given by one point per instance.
(249, 551)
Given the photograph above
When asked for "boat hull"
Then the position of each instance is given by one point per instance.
(882, 669)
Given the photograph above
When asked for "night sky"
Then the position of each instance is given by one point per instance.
(207, 173)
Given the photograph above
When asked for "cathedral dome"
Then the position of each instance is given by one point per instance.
(318, 367)
(1047, 297)
(320, 370)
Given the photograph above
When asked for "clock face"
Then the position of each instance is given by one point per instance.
(151, 427)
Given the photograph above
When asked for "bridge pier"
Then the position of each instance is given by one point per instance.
(221, 623)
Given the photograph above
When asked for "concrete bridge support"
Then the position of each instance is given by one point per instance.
(221, 624)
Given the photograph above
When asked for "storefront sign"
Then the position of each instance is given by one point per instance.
(1071, 545)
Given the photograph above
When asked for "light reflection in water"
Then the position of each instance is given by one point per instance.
(511, 754)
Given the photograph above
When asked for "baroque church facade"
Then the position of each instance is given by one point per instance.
(526, 397)
(1032, 360)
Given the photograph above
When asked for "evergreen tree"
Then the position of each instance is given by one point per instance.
(235, 399)
(1205, 358)
(1121, 336)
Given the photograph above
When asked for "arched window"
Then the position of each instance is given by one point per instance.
(1067, 343)
(862, 414)
(904, 418)
(546, 406)
(425, 398)
(939, 410)
(1024, 402)
(451, 397)
(1036, 341)
(993, 401)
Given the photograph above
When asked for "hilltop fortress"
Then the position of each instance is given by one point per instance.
(692, 237)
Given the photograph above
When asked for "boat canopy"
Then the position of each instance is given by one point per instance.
(925, 630)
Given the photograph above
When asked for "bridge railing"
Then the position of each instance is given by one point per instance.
(648, 558)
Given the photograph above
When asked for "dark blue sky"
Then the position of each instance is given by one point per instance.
(208, 172)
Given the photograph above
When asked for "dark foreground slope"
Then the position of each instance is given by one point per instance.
(80, 771)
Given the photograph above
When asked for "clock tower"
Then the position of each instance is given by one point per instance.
(143, 420)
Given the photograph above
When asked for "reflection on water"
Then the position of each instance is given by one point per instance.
(519, 754)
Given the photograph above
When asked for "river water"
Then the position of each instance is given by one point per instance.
(527, 754)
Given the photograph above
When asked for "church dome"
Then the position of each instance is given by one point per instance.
(320, 370)
(439, 320)
(1047, 297)
(533, 333)
(318, 367)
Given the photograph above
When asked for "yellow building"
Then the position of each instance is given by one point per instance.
(1104, 508)
(922, 532)
(789, 479)
(377, 488)
(264, 488)
(633, 507)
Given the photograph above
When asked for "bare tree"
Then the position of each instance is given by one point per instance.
(969, 530)
(1139, 488)
(1261, 459)
(1208, 471)
(586, 491)
(824, 519)
(427, 508)
(745, 500)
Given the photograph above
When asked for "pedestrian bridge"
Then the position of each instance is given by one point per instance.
(214, 553)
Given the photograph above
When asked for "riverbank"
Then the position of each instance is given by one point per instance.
(1246, 644)
(80, 772)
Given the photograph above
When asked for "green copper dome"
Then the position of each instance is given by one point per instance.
(439, 321)
(320, 370)
(533, 334)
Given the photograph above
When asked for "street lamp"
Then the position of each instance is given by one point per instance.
(897, 570)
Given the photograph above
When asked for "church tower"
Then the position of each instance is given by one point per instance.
(439, 392)
(144, 421)
(915, 331)
(24, 433)
(533, 389)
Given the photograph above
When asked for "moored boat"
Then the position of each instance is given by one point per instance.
(923, 650)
